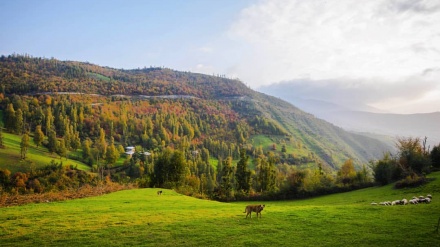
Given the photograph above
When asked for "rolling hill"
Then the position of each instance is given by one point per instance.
(309, 139)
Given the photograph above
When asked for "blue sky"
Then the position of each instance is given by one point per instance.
(381, 53)
(121, 34)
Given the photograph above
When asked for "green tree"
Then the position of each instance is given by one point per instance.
(62, 149)
(49, 120)
(38, 136)
(87, 151)
(24, 145)
(412, 156)
(243, 174)
(160, 176)
(101, 144)
(267, 173)
(9, 118)
(226, 185)
(111, 154)
(435, 156)
(52, 142)
(19, 123)
(386, 170)
(177, 168)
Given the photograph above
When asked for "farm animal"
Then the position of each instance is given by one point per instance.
(396, 202)
(253, 208)
(159, 193)
(415, 200)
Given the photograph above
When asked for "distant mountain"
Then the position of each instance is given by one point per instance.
(396, 125)
(245, 112)
(366, 119)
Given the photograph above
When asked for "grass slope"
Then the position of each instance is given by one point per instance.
(10, 157)
(142, 218)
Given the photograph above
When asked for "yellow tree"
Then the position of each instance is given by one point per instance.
(347, 173)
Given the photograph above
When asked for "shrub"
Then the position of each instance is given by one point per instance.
(413, 180)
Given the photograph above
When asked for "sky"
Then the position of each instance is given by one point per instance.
(384, 54)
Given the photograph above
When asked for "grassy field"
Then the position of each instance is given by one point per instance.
(142, 218)
(10, 157)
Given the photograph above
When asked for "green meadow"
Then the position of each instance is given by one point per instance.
(10, 157)
(140, 217)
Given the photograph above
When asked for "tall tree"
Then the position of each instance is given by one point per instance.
(111, 154)
(24, 145)
(243, 174)
(267, 173)
(19, 121)
(87, 151)
(226, 186)
(62, 149)
(9, 117)
(435, 156)
(52, 142)
(49, 120)
(38, 136)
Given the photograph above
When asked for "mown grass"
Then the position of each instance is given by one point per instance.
(10, 157)
(98, 76)
(142, 218)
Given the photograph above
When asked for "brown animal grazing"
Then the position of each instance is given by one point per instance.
(159, 193)
(253, 208)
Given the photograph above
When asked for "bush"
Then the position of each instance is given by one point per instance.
(413, 180)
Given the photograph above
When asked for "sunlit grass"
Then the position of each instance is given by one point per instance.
(142, 218)
(10, 157)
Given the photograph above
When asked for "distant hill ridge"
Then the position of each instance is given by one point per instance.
(323, 141)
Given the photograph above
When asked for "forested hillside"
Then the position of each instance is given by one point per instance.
(207, 123)
(263, 114)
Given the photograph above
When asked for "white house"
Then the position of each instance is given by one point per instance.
(129, 151)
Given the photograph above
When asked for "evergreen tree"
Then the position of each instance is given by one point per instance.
(435, 156)
(160, 176)
(177, 168)
(243, 174)
(38, 136)
(226, 181)
(267, 173)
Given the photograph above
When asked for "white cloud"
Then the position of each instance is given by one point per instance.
(379, 45)
(416, 93)
(340, 38)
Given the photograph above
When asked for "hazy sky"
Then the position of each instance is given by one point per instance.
(383, 53)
